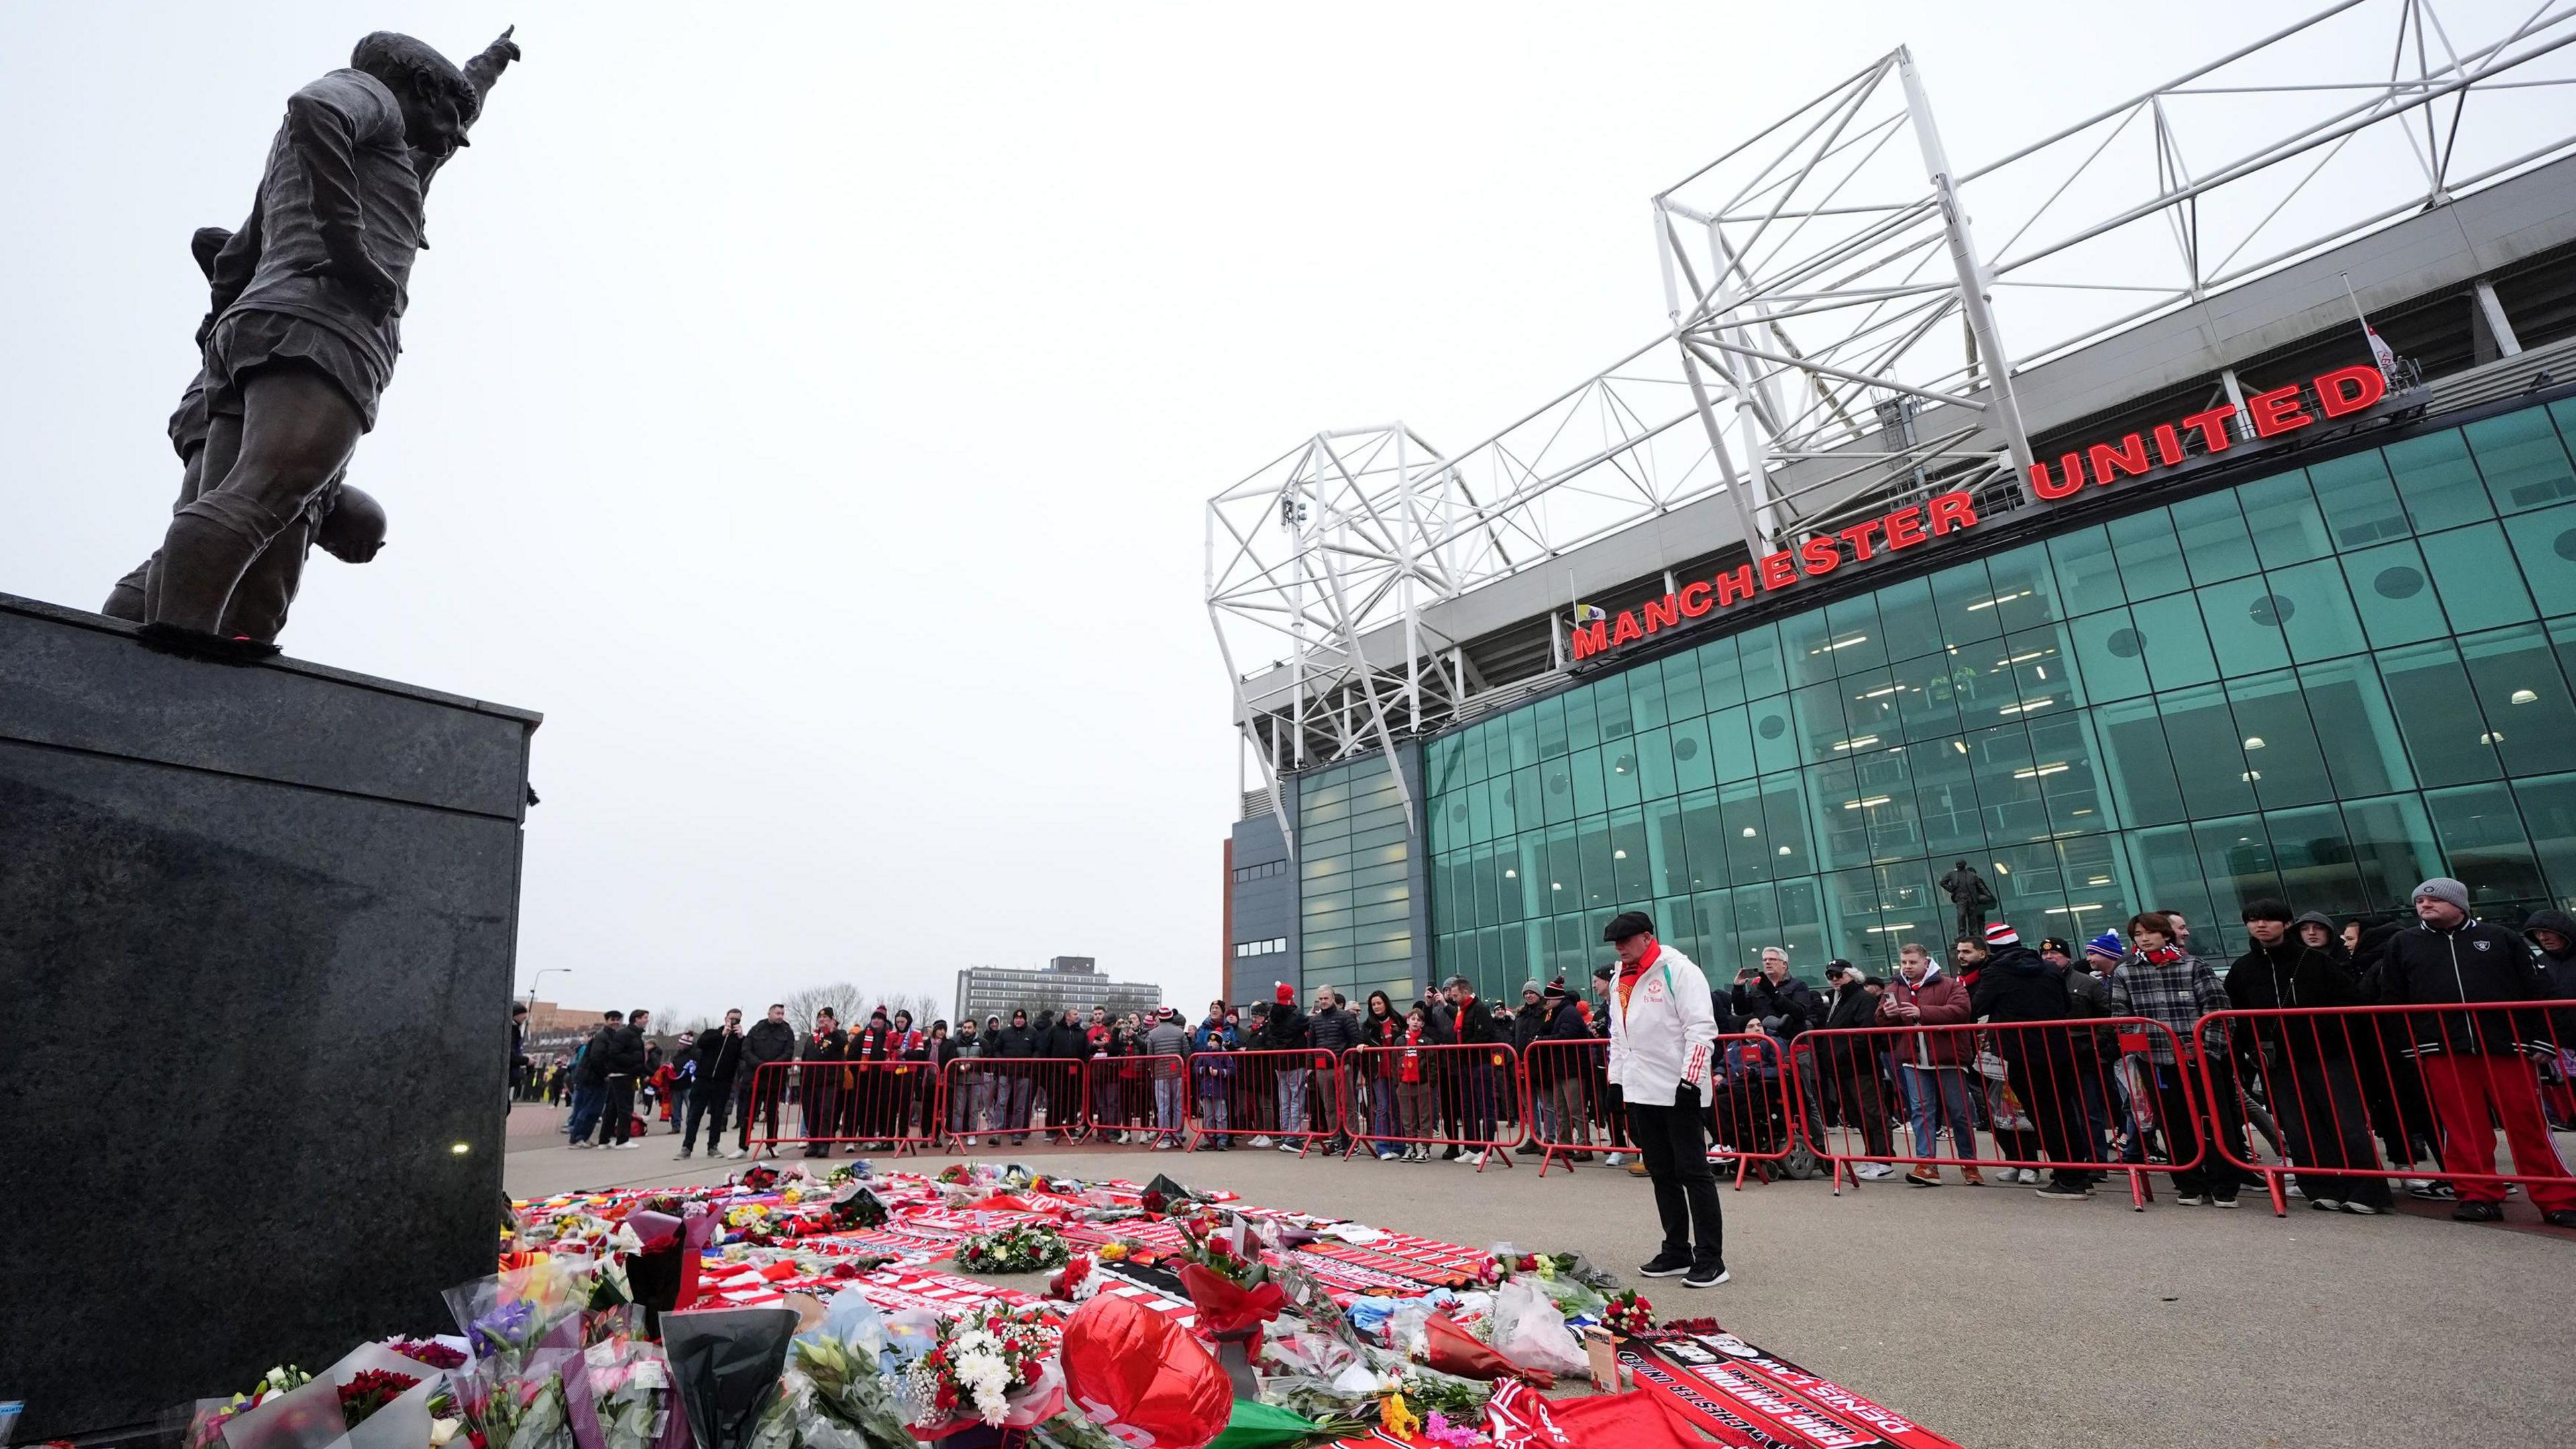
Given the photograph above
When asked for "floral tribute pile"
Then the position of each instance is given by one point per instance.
(785, 1310)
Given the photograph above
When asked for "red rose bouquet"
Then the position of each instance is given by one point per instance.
(1626, 1314)
(369, 1390)
(1232, 1290)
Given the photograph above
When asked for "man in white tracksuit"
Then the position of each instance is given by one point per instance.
(1663, 1026)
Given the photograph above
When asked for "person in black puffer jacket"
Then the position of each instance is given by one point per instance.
(2016, 987)
(1330, 1031)
(2473, 1067)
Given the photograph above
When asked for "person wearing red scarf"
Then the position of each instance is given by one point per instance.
(1663, 1025)
(1413, 1092)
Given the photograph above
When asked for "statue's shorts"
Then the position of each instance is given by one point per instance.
(247, 341)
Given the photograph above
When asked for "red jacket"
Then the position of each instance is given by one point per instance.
(1942, 1002)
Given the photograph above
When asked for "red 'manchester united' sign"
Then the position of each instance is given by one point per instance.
(1815, 558)
(2282, 410)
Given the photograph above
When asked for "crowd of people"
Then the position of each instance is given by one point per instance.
(2328, 1090)
(2020, 1068)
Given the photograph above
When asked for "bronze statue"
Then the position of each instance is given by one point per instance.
(1970, 893)
(343, 518)
(300, 339)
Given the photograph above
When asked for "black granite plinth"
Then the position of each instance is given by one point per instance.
(256, 939)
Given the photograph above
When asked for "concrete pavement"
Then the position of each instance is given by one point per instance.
(1991, 1315)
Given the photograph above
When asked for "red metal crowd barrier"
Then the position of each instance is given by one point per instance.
(1755, 1115)
(1565, 1099)
(1284, 1096)
(990, 1099)
(1458, 1095)
(2068, 1097)
(2429, 1083)
(1137, 1101)
(889, 1106)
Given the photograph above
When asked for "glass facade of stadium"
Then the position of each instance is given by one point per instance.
(2324, 683)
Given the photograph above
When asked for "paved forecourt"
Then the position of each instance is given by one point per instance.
(1995, 1317)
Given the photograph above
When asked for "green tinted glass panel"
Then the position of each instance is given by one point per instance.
(2244, 621)
(2150, 558)
(2529, 715)
(2215, 545)
(2282, 517)
(2393, 590)
(2177, 647)
(2544, 542)
(1905, 611)
(2110, 655)
(2089, 576)
(1758, 654)
(2524, 464)
(2316, 612)
(2437, 482)
(2360, 502)
(2474, 571)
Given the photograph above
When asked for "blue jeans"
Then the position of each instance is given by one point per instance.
(1944, 1088)
(586, 1102)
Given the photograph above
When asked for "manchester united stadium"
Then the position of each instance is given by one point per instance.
(2174, 510)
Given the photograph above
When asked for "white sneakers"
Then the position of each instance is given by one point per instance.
(1875, 1170)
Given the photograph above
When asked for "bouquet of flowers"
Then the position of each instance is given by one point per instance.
(515, 1406)
(759, 1177)
(510, 1315)
(206, 1425)
(1627, 1314)
(436, 1355)
(1077, 1282)
(855, 1206)
(618, 1396)
(837, 1397)
(1021, 1248)
(956, 1173)
(1232, 1291)
(997, 1366)
(369, 1390)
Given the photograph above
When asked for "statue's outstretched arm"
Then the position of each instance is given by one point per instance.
(485, 69)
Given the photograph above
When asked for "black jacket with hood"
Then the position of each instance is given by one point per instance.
(2294, 976)
(2474, 961)
(2557, 972)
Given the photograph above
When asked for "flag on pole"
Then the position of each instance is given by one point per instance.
(2380, 351)
(1586, 613)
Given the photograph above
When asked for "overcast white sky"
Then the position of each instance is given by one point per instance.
(809, 408)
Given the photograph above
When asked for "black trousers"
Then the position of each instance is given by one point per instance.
(2328, 1126)
(620, 1116)
(706, 1098)
(1675, 1150)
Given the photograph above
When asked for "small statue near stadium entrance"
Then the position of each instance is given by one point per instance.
(307, 299)
(1969, 892)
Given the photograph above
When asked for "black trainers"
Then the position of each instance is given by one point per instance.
(1705, 1275)
(1665, 1265)
(2478, 1212)
(2562, 1218)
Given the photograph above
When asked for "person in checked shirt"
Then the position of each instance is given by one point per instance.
(2164, 983)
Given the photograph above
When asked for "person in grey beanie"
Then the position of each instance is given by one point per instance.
(2474, 1069)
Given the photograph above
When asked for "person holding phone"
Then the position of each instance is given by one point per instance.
(1663, 1024)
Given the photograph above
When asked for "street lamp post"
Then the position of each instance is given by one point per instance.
(539, 977)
